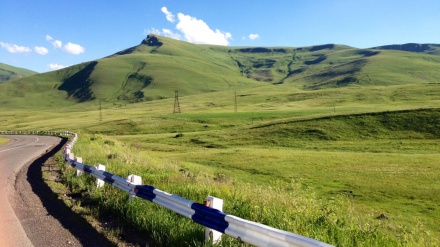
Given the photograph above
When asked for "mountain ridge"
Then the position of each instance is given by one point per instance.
(158, 66)
(412, 47)
(9, 72)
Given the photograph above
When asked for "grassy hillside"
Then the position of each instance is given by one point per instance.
(433, 49)
(8, 72)
(141, 73)
(336, 66)
(158, 66)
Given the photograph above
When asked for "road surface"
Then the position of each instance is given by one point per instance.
(31, 214)
(19, 151)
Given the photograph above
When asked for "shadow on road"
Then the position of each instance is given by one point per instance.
(78, 227)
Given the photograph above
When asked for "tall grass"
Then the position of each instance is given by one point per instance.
(282, 204)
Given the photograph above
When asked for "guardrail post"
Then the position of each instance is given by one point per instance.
(133, 179)
(99, 182)
(78, 172)
(210, 234)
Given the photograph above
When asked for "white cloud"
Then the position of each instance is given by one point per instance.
(152, 31)
(164, 32)
(55, 66)
(170, 17)
(57, 43)
(253, 36)
(69, 47)
(12, 48)
(41, 50)
(171, 34)
(198, 32)
(73, 48)
(193, 30)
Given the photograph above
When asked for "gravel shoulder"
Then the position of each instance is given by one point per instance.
(46, 220)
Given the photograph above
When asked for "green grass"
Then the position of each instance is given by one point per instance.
(333, 201)
(369, 164)
(378, 159)
(3, 140)
(322, 171)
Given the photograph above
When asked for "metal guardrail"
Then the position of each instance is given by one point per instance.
(244, 230)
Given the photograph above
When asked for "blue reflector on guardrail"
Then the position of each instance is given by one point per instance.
(209, 217)
(145, 191)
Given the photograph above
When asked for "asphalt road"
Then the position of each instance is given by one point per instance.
(31, 214)
(19, 151)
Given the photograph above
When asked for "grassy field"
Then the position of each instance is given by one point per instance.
(352, 166)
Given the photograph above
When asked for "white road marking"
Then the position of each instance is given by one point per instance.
(20, 146)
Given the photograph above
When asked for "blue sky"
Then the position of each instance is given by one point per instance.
(47, 35)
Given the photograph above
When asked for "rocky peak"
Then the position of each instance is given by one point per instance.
(151, 40)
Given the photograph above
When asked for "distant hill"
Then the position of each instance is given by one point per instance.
(433, 49)
(158, 66)
(331, 65)
(8, 72)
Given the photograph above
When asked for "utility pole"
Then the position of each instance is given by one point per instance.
(100, 111)
(176, 102)
(235, 101)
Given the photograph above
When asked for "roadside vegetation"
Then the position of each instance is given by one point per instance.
(352, 197)
(3, 140)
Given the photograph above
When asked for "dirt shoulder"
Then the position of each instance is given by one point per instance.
(45, 218)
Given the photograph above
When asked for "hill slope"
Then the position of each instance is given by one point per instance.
(433, 49)
(331, 65)
(148, 71)
(158, 66)
(8, 72)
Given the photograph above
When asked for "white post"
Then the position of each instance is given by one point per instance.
(100, 183)
(134, 179)
(210, 234)
(78, 172)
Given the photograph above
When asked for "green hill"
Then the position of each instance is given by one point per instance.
(8, 72)
(145, 72)
(159, 66)
(413, 47)
(331, 65)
